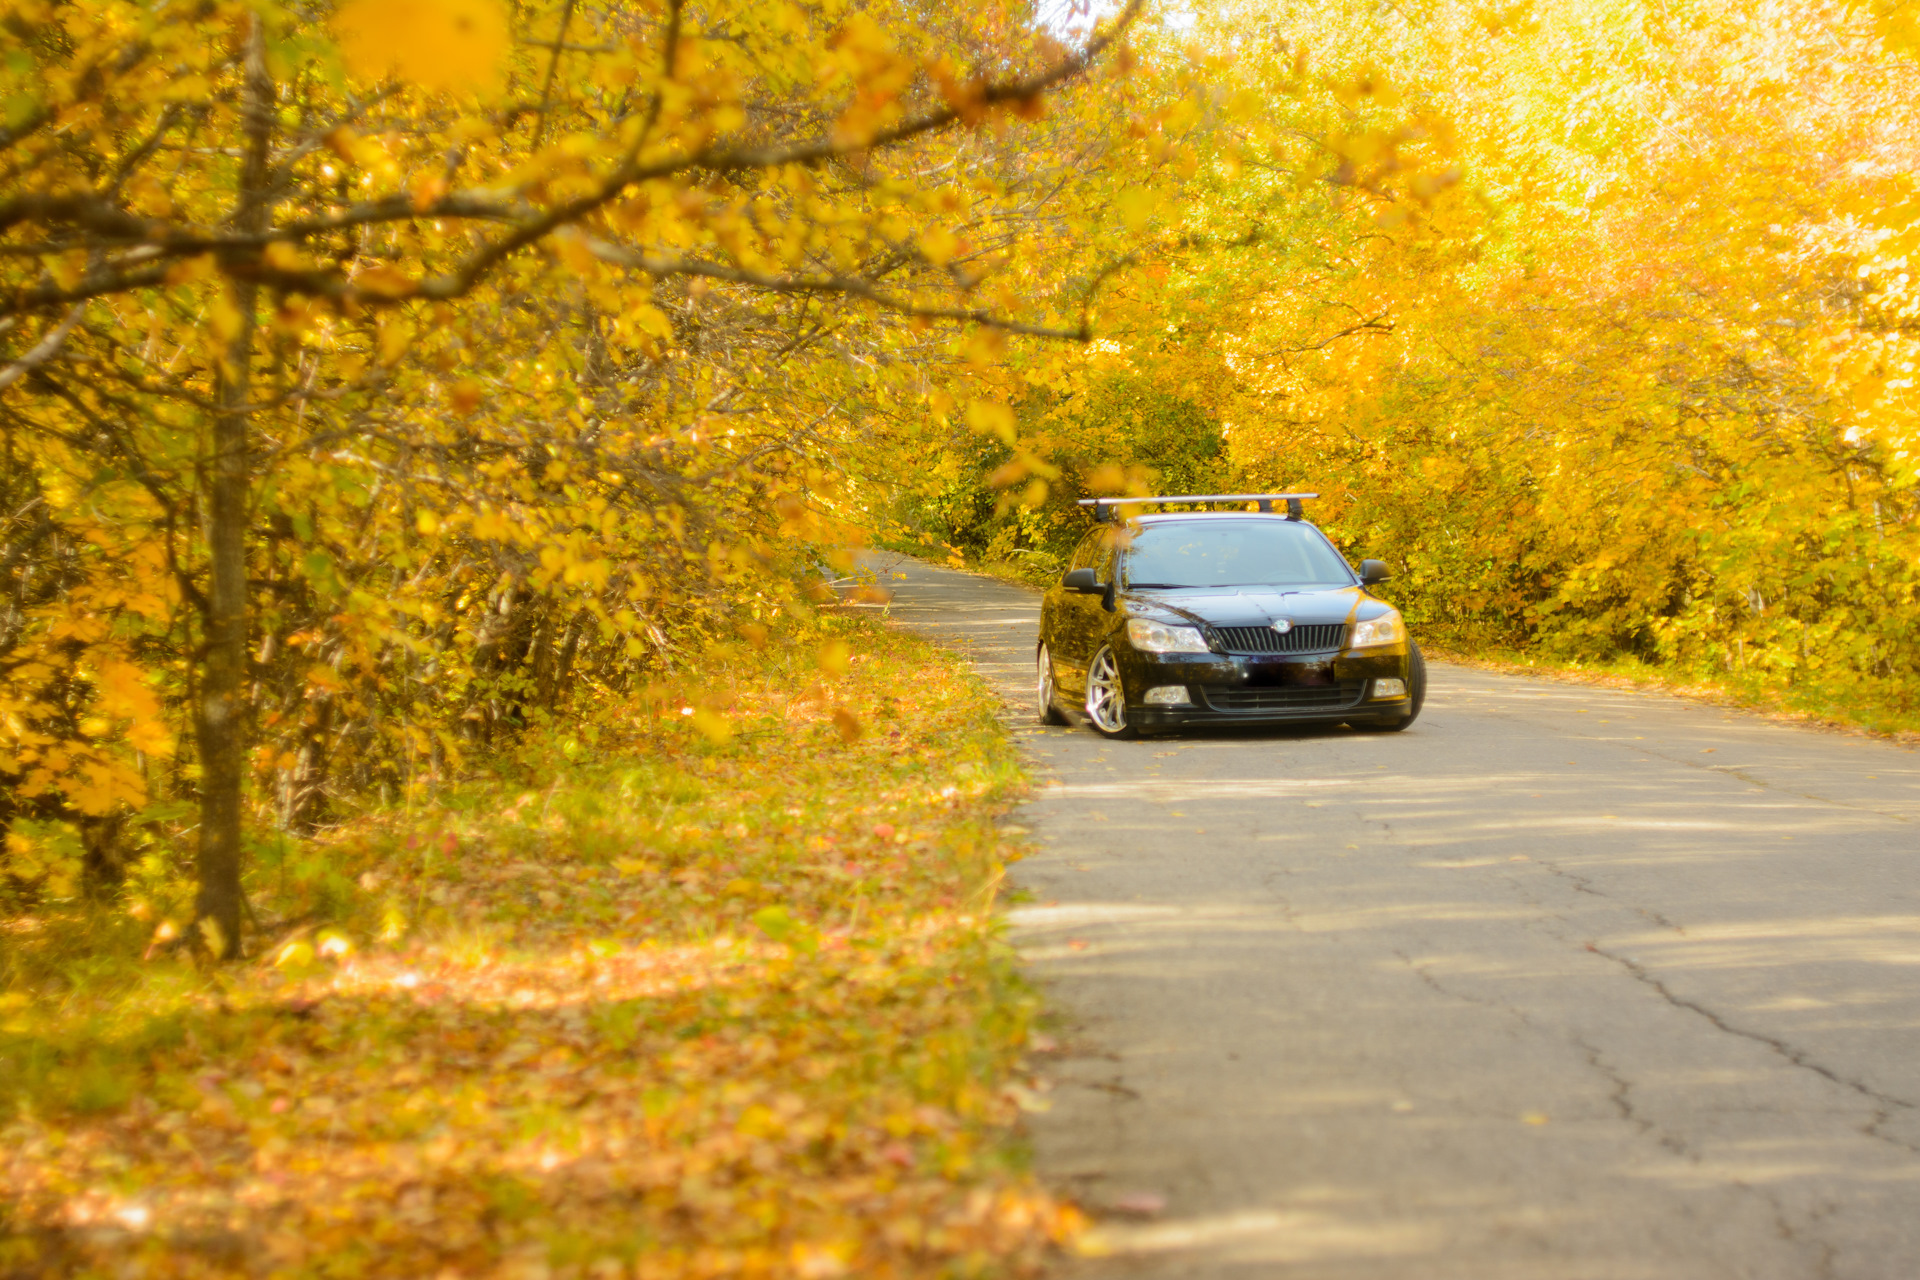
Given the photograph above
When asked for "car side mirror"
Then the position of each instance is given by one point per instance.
(1374, 571)
(1081, 581)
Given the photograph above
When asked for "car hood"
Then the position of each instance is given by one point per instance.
(1253, 606)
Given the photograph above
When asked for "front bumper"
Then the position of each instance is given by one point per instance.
(1266, 689)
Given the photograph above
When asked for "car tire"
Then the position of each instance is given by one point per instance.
(1107, 696)
(1047, 708)
(1416, 689)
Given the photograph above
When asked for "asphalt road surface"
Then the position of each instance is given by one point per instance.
(1561, 982)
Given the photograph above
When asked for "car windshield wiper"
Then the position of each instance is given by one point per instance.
(1131, 585)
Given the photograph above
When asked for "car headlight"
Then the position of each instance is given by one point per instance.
(1158, 637)
(1386, 629)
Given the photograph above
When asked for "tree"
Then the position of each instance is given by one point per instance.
(254, 272)
(1599, 320)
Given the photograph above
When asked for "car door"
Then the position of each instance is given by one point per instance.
(1081, 619)
(1059, 617)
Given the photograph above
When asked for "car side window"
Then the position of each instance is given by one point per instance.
(1088, 554)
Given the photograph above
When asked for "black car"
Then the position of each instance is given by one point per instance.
(1221, 617)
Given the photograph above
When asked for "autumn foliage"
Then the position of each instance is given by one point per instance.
(443, 832)
(1594, 321)
(388, 380)
(1648, 397)
(404, 396)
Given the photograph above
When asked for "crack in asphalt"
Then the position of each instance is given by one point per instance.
(1752, 780)
(1826, 1252)
(1620, 1097)
(1114, 1087)
(1886, 1105)
(1584, 884)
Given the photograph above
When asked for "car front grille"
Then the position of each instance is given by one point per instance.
(1312, 637)
(1329, 697)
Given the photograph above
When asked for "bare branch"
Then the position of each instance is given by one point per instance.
(1372, 324)
(43, 350)
(152, 243)
(844, 286)
(811, 152)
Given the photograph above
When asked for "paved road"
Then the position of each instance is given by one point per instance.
(1560, 983)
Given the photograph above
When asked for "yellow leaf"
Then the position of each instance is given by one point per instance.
(1108, 477)
(759, 1121)
(295, 955)
(185, 88)
(937, 245)
(223, 319)
(1135, 206)
(190, 270)
(396, 335)
(834, 657)
(124, 691)
(575, 252)
(714, 727)
(425, 189)
(147, 196)
(651, 320)
(989, 418)
(105, 786)
(465, 396)
(437, 44)
(282, 256)
(384, 282)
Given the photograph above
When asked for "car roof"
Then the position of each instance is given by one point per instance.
(1162, 517)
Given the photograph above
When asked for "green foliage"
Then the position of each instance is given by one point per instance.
(1125, 433)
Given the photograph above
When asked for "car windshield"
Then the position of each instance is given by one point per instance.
(1233, 553)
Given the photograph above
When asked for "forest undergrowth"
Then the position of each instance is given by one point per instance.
(688, 990)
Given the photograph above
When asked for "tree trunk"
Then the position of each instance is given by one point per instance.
(569, 650)
(223, 713)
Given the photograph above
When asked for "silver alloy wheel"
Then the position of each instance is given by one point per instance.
(1048, 713)
(1106, 698)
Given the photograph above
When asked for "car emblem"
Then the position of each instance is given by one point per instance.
(1283, 625)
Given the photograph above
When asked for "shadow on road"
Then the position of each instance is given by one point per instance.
(1559, 982)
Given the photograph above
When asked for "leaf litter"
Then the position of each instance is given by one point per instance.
(648, 1001)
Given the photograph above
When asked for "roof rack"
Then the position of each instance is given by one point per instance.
(1103, 507)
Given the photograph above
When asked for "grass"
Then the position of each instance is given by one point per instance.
(667, 995)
